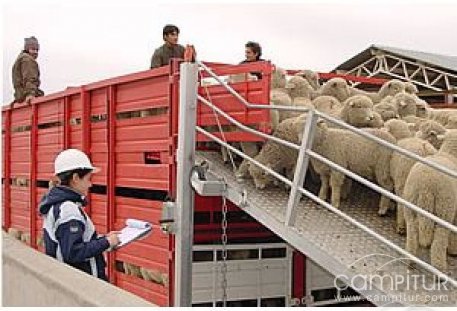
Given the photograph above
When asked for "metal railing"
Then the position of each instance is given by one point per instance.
(305, 153)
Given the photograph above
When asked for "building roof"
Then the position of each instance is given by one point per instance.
(448, 63)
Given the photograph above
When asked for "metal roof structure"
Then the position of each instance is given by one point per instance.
(434, 72)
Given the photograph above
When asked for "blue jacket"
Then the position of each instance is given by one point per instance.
(69, 234)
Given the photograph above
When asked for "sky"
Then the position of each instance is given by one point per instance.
(85, 41)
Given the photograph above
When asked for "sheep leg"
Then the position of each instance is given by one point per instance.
(384, 179)
(412, 238)
(336, 183)
(325, 182)
(426, 228)
(346, 189)
(250, 149)
(439, 247)
(452, 249)
(401, 224)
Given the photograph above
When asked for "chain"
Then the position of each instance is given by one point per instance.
(224, 251)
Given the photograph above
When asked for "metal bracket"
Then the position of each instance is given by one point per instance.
(167, 219)
(206, 183)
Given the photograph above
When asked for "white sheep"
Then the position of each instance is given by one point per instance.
(400, 165)
(431, 131)
(328, 105)
(301, 102)
(410, 88)
(387, 109)
(276, 156)
(389, 88)
(278, 78)
(406, 104)
(357, 111)
(356, 153)
(398, 128)
(336, 87)
(441, 115)
(436, 193)
(413, 122)
(452, 122)
(422, 108)
(311, 76)
(298, 86)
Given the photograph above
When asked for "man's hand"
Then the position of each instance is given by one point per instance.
(29, 98)
(113, 239)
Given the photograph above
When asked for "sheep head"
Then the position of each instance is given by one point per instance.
(310, 76)
(336, 87)
(391, 87)
(398, 128)
(432, 131)
(406, 104)
(450, 143)
(299, 87)
(358, 111)
(387, 110)
(410, 88)
(421, 108)
(261, 177)
(327, 104)
(452, 122)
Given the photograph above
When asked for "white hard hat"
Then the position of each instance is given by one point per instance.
(71, 159)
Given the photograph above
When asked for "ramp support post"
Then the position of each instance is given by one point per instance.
(184, 193)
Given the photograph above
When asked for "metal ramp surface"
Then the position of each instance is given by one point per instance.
(369, 266)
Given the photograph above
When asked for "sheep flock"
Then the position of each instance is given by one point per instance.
(394, 114)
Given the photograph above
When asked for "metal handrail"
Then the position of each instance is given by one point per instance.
(341, 169)
(310, 195)
(343, 124)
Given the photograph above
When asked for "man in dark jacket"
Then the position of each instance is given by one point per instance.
(170, 49)
(68, 232)
(26, 73)
(253, 52)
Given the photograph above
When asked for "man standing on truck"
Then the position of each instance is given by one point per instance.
(253, 52)
(170, 49)
(26, 73)
(68, 233)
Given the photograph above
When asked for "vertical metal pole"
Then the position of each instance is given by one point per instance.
(184, 192)
(301, 167)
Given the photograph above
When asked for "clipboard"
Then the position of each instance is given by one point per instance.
(134, 230)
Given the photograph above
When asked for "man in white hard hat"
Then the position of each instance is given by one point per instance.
(68, 232)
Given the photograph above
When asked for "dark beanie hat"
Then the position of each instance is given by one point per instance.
(31, 42)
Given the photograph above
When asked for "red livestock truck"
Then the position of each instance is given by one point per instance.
(129, 127)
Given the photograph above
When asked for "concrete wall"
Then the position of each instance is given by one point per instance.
(31, 278)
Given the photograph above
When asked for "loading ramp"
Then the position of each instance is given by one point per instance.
(372, 268)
